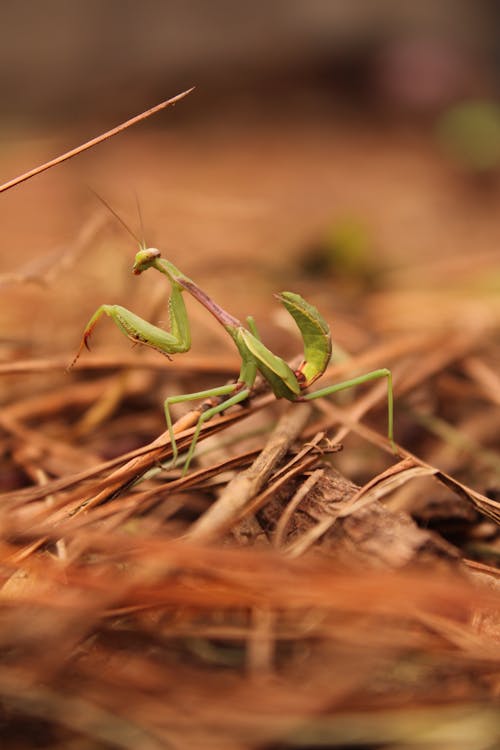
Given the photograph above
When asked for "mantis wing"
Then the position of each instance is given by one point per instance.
(315, 333)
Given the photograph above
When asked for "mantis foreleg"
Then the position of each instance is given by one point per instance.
(177, 340)
(374, 375)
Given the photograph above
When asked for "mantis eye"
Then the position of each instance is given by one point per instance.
(144, 259)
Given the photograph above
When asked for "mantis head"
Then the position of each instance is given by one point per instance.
(144, 259)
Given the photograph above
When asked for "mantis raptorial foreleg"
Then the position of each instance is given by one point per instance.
(255, 356)
(175, 341)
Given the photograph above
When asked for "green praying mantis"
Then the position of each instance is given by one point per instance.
(256, 358)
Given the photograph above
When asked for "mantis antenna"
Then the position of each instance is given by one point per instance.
(119, 218)
(141, 222)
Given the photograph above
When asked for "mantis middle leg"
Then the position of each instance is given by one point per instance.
(240, 393)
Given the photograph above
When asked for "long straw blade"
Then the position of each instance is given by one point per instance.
(89, 144)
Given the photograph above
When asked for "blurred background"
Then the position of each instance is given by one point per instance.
(65, 59)
(332, 147)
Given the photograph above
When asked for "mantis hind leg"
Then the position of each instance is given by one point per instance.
(374, 375)
(224, 390)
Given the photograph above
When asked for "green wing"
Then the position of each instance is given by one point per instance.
(315, 333)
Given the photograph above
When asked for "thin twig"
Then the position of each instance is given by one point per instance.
(93, 142)
(222, 365)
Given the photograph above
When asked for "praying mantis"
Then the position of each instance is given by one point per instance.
(256, 358)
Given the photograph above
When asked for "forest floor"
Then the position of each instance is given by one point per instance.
(302, 585)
